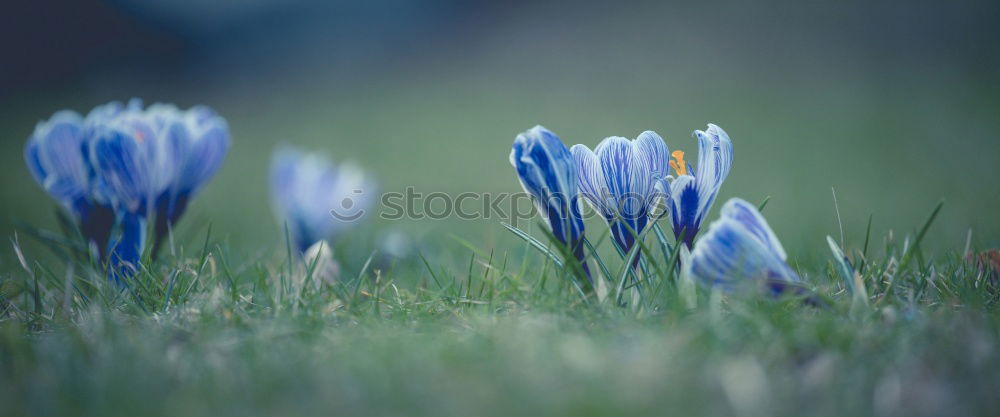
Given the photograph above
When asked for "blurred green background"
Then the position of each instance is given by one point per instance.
(894, 104)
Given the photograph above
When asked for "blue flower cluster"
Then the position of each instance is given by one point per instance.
(124, 169)
(629, 183)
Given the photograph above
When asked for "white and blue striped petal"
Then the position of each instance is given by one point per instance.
(623, 180)
(202, 139)
(196, 142)
(694, 192)
(316, 199)
(124, 154)
(548, 173)
(740, 252)
(56, 157)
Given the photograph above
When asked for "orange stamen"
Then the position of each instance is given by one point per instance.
(679, 165)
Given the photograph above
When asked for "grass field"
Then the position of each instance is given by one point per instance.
(208, 334)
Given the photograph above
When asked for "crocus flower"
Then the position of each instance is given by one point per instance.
(128, 161)
(57, 157)
(693, 192)
(740, 251)
(547, 172)
(316, 199)
(624, 180)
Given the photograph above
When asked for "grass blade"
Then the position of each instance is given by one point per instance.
(535, 243)
(905, 260)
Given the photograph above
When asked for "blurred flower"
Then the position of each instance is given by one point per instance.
(316, 199)
(624, 180)
(693, 193)
(740, 250)
(546, 170)
(137, 163)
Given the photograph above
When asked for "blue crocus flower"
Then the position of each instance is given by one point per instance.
(694, 192)
(547, 171)
(122, 165)
(57, 157)
(625, 180)
(740, 251)
(316, 199)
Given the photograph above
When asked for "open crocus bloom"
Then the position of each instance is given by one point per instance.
(739, 251)
(623, 180)
(316, 199)
(124, 159)
(694, 192)
(546, 170)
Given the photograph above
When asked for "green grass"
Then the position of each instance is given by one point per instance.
(209, 332)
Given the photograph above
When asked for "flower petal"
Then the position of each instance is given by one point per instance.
(591, 180)
(715, 158)
(654, 156)
(210, 141)
(627, 188)
(653, 153)
(33, 159)
(693, 196)
(122, 161)
(748, 216)
(732, 255)
(547, 171)
(197, 159)
(684, 202)
(54, 155)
